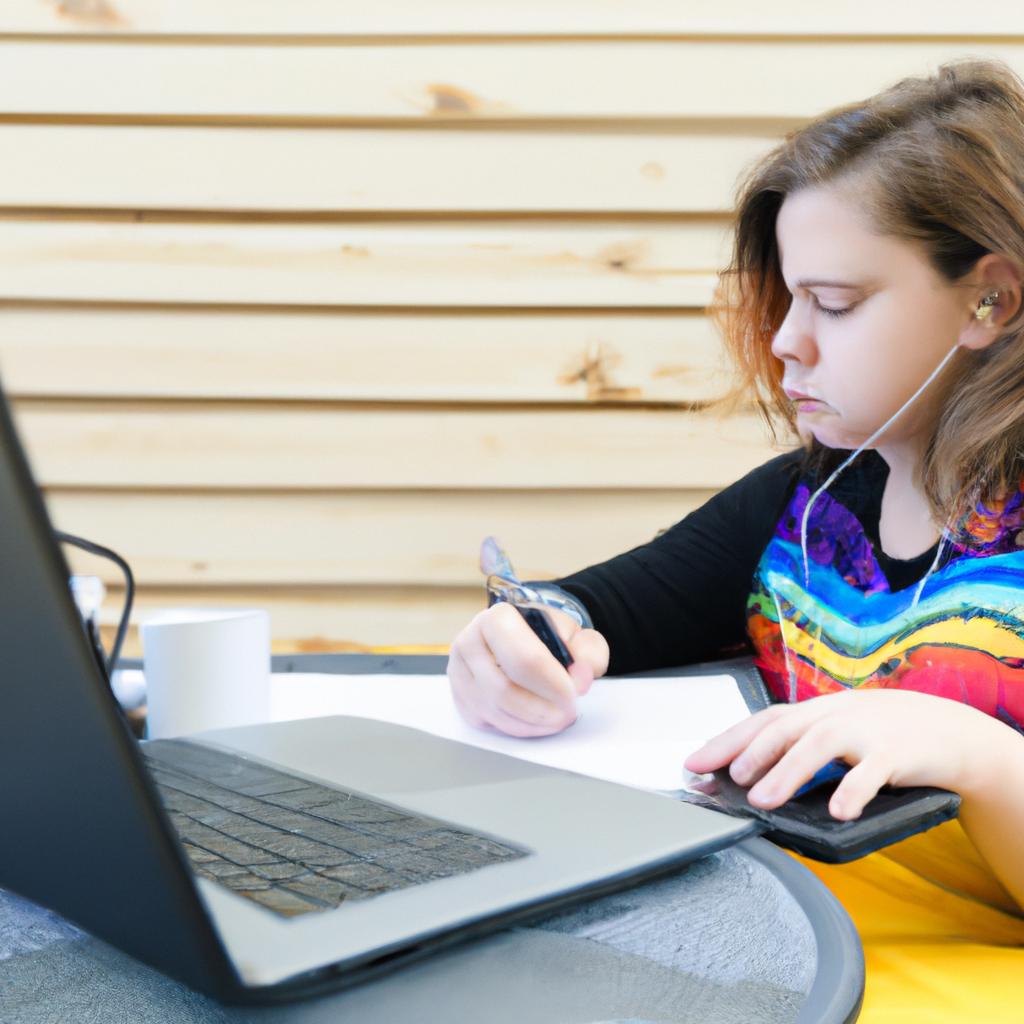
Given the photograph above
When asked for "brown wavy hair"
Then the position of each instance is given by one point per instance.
(937, 161)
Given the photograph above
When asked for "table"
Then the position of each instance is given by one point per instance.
(746, 934)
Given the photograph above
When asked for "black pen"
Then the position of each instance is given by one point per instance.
(504, 585)
(538, 621)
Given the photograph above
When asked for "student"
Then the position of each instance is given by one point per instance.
(873, 304)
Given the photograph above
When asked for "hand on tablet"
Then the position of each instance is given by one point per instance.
(889, 737)
(503, 677)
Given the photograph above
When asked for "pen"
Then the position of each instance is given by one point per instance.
(541, 625)
(504, 585)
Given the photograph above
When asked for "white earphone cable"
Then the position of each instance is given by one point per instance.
(805, 518)
(846, 462)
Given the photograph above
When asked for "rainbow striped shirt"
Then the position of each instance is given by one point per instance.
(963, 639)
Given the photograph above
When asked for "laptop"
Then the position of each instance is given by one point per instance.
(269, 862)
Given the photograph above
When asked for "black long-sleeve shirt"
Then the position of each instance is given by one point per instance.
(681, 598)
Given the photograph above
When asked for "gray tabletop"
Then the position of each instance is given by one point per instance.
(746, 934)
(742, 935)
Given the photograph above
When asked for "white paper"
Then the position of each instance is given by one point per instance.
(634, 731)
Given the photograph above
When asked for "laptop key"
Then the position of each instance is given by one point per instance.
(295, 846)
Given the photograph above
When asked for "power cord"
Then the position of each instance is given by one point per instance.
(129, 588)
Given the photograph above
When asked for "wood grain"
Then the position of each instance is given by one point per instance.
(202, 445)
(434, 82)
(297, 301)
(319, 618)
(392, 537)
(413, 357)
(477, 263)
(312, 19)
(363, 169)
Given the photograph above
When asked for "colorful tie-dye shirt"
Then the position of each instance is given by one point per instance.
(725, 578)
(849, 626)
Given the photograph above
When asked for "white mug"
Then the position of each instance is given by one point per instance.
(205, 668)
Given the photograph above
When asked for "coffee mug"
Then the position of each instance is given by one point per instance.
(205, 668)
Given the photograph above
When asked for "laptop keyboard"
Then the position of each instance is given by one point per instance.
(296, 846)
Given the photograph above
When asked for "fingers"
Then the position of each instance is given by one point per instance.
(519, 653)
(503, 677)
(806, 750)
(772, 742)
(512, 708)
(589, 651)
(513, 726)
(722, 749)
(859, 786)
(802, 757)
(487, 697)
(588, 648)
(515, 686)
(460, 680)
(777, 750)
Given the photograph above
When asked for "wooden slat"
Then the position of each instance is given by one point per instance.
(699, 79)
(90, 444)
(429, 264)
(448, 18)
(360, 538)
(319, 618)
(83, 352)
(319, 170)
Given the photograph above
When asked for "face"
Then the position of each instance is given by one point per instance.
(869, 320)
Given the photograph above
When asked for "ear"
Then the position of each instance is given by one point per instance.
(992, 273)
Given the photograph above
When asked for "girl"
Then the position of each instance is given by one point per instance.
(873, 304)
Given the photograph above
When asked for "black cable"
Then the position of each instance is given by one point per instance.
(129, 588)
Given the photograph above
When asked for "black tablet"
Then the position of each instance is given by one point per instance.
(804, 824)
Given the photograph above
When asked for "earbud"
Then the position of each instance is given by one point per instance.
(986, 305)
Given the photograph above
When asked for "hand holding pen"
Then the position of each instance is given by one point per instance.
(520, 665)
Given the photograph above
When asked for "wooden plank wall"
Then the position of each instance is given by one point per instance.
(298, 301)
